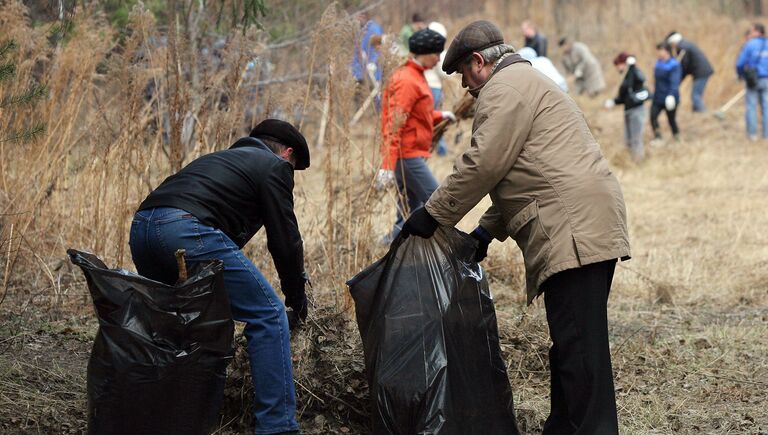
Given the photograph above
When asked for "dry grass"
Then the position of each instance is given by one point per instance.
(688, 316)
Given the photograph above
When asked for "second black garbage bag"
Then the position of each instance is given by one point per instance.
(430, 340)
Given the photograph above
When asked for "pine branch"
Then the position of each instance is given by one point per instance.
(7, 46)
(26, 134)
(31, 95)
(7, 70)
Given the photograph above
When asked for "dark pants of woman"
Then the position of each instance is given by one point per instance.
(656, 109)
(583, 401)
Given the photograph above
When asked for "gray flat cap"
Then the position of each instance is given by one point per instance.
(476, 36)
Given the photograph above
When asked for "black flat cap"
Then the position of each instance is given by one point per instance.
(426, 41)
(285, 134)
(476, 36)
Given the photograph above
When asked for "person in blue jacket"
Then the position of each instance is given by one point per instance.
(366, 57)
(752, 66)
(667, 74)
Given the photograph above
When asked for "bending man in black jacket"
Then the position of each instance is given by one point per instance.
(211, 208)
(695, 64)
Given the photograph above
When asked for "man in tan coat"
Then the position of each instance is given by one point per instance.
(554, 194)
(578, 60)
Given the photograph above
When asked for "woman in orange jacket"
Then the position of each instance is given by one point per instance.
(408, 118)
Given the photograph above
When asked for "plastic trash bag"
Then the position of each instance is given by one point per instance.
(158, 363)
(430, 340)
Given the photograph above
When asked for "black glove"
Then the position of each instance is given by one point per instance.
(298, 310)
(483, 240)
(420, 223)
(296, 301)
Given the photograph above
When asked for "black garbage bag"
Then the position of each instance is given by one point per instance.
(159, 361)
(430, 340)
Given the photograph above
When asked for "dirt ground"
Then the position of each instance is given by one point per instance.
(688, 314)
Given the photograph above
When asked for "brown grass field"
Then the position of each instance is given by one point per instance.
(688, 314)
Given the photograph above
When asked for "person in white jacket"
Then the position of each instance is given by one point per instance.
(545, 66)
(435, 77)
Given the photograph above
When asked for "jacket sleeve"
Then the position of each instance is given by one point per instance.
(283, 237)
(437, 116)
(675, 75)
(622, 96)
(579, 61)
(687, 61)
(502, 123)
(493, 222)
(741, 61)
(400, 100)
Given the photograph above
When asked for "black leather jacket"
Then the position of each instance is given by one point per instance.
(238, 191)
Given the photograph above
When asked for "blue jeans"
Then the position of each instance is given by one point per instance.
(415, 183)
(760, 93)
(157, 233)
(697, 94)
(437, 95)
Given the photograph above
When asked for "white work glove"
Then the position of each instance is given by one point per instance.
(372, 68)
(670, 102)
(384, 178)
(447, 114)
(609, 103)
(578, 73)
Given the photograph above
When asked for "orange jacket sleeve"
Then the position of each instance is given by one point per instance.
(437, 116)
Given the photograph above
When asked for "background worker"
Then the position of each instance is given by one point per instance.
(553, 192)
(579, 61)
(435, 77)
(752, 67)
(408, 116)
(417, 23)
(694, 63)
(211, 208)
(533, 38)
(633, 95)
(365, 60)
(667, 74)
(544, 66)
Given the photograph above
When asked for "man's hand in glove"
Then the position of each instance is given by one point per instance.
(297, 312)
(420, 223)
(483, 240)
(447, 114)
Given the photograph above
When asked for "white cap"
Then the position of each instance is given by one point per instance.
(439, 28)
(674, 38)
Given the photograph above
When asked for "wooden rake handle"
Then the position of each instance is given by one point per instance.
(182, 264)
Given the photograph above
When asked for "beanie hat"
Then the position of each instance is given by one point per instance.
(287, 135)
(426, 41)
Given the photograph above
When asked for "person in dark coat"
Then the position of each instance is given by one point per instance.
(211, 208)
(694, 63)
(632, 94)
(534, 39)
(667, 74)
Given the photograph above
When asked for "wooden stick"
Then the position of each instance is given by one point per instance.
(182, 266)
(460, 109)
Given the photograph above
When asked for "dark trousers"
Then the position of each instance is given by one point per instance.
(656, 109)
(583, 400)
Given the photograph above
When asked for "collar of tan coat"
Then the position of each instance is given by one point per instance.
(506, 60)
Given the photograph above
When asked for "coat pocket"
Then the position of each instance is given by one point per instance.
(527, 230)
